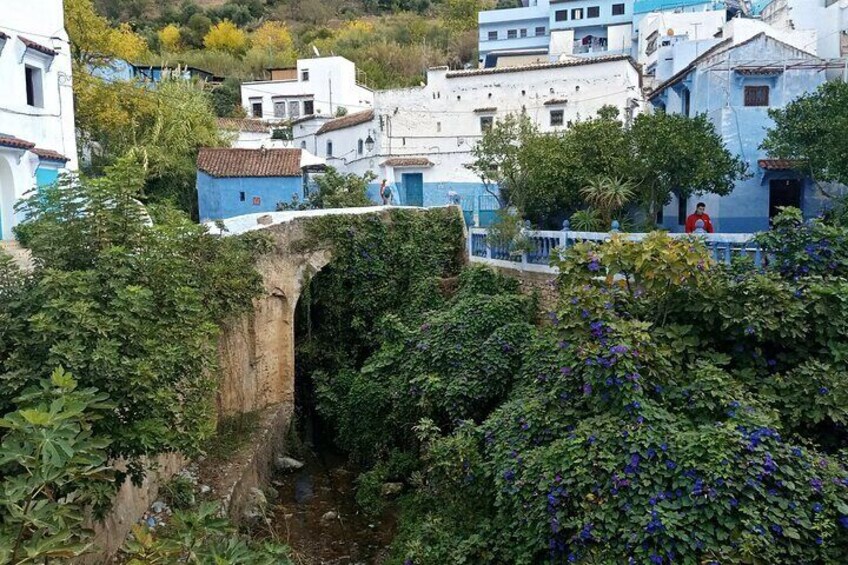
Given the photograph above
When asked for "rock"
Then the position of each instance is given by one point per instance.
(328, 516)
(391, 489)
(288, 464)
(151, 522)
(158, 507)
(204, 489)
(265, 220)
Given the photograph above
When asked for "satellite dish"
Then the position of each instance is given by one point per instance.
(670, 32)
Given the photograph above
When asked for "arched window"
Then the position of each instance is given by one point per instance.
(360, 147)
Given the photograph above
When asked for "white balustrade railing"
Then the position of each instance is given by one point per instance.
(546, 243)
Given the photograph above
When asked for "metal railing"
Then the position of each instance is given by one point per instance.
(544, 245)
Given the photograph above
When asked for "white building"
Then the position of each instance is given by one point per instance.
(37, 136)
(420, 139)
(316, 87)
(827, 19)
(663, 29)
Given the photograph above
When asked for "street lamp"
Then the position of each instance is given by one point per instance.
(369, 143)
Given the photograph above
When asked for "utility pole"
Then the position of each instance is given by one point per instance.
(330, 80)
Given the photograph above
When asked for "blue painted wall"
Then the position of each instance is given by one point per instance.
(220, 198)
(719, 93)
(45, 176)
(473, 197)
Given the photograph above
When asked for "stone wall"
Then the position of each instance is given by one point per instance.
(541, 284)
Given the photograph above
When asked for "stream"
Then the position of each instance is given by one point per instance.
(317, 515)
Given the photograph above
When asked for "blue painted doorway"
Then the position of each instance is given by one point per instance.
(413, 189)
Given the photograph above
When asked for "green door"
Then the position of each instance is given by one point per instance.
(413, 189)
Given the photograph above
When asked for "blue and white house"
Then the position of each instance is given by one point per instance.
(233, 182)
(546, 30)
(37, 135)
(735, 83)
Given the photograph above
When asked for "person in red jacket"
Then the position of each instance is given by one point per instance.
(700, 214)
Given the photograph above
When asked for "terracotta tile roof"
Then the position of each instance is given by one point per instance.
(224, 162)
(49, 155)
(15, 142)
(555, 101)
(245, 125)
(398, 162)
(778, 164)
(37, 46)
(540, 66)
(347, 121)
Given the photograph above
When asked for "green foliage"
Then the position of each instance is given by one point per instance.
(200, 536)
(809, 129)
(380, 267)
(799, 248)
(675, 154)
(52, 469)
(675, 411)
(608, 196)
(131, 308)
(178, 493)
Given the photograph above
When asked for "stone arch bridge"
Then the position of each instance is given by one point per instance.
(256, 352)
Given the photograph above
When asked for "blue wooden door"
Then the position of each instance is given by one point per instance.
(413, 189)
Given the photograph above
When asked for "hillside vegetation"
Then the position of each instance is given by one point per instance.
(392, 43)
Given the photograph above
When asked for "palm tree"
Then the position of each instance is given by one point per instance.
(608, 195)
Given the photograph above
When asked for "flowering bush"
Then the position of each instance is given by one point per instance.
(674, 412)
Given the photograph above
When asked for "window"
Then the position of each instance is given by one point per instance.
(438, 127)
(512, 34)
(303, 144)
(242, 197)
(540, 31)
(304, 75)
(308, 107)
(256, 107)
(523, 32)
(593, 12)
(561, 15)
(577, 14)
(294, 109)
(681, 211)
(686, 99)
(493, 36)
(756, 96)
(651, 45)
(329, 149)
(360, 147)
(557, 117)
(279, 108)
(34, 87)
(618, 9)
(486, 123)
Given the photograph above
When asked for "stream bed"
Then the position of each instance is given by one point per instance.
(317, 515)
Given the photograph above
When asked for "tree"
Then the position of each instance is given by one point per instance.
(225, 36)
(461, 15)
(94, 41)
(608, 195)
(810, 130)
(675, 154)
(226, 99)
(272, 36)
(169, 38)
(496, 158)
(131, 308)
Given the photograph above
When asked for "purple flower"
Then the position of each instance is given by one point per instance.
(823, 390)
(817, 507)
(509, 475)
(619, 349)
(816, 484)
(843, 521)
(587, 389)
(594, 265)
(670, 464)
(586, 533)
(749, 330)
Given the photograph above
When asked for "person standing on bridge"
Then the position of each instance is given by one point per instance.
(700, 214)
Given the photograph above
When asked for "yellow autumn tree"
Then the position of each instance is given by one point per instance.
(94, 41)
(272, 36)
(169, 38)
(225, 36)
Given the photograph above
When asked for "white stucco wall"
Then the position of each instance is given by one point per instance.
(441, 120)
(49, 126)
(332, 83)
(829, 23)
(675, 27)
